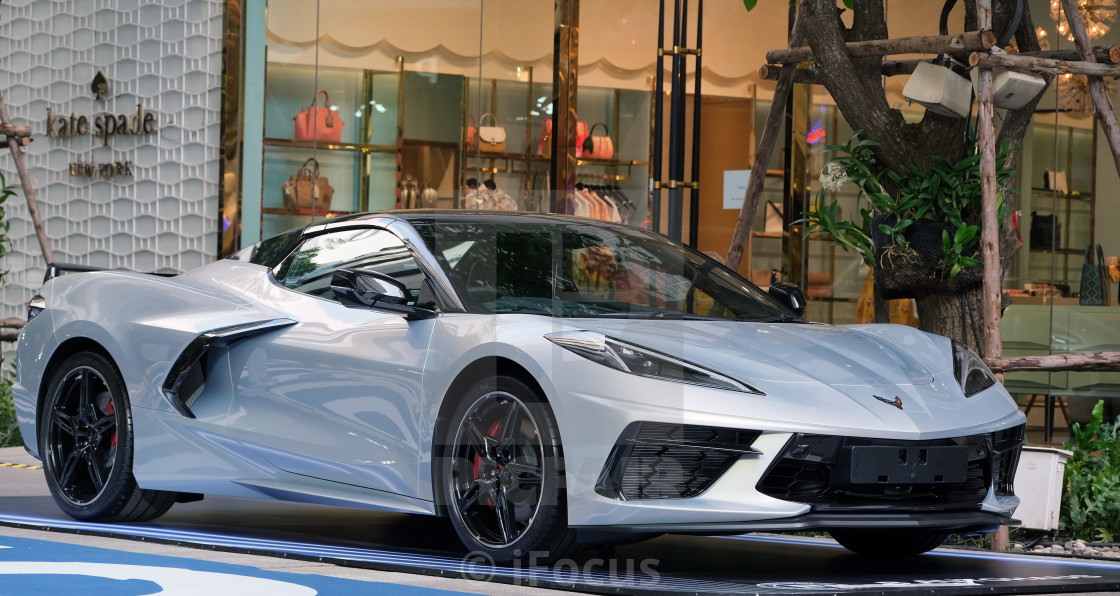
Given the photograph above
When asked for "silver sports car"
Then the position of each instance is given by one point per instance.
(542, 381)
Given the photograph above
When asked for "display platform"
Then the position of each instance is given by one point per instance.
(751, 564)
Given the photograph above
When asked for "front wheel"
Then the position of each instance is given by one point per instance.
(889, 541)
(86, 445)
(502, 474)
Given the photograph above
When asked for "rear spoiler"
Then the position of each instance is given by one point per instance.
(58, 269)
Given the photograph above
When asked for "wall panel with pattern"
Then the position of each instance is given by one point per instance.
(157, 210)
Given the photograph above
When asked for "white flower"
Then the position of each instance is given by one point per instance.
(833, 177)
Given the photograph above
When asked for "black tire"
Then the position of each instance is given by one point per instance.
(889, 541)
(501, 474)
(85, 441)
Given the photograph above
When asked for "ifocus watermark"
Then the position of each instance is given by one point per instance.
(537, 567)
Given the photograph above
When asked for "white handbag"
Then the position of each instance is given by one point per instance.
(491, 139)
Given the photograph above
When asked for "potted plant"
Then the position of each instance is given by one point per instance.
(919, 229)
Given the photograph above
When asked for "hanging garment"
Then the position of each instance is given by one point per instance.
(580, 206)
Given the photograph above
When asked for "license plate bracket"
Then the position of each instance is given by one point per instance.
(862, 465)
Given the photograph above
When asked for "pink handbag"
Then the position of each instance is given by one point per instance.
(319, 123)
(598, 147)
(544, 146)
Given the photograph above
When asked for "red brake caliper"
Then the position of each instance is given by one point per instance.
(493, 432)
(109, 411)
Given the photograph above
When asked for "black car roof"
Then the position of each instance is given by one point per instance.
(413, 216)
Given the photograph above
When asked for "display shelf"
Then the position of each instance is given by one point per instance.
(306, 212)
(610, 162)
(356, 147)
(1071, 195)
(1042, 252)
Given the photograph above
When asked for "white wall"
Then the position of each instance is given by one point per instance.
(166, 55)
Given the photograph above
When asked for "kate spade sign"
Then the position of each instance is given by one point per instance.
(102, 126)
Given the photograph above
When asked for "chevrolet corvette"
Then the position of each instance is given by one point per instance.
(541, 381)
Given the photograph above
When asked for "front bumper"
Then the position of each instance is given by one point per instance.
(955, 522)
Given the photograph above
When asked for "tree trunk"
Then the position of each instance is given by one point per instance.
(959, 316)
(856, 85)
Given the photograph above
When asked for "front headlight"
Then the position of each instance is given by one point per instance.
(972, 374)
(631, 359)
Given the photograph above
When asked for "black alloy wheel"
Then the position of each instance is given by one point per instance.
(503, 474)
(85, 440)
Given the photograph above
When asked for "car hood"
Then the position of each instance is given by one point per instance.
(776, 353)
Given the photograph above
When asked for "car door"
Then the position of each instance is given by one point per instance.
(336, 396)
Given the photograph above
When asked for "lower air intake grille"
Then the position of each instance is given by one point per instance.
(818, 470)
(654, 460)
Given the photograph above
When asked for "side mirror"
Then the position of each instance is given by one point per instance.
(375, 291)
(790, 296)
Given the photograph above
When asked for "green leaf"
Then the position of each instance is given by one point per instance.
(750, 4)
(850, 4)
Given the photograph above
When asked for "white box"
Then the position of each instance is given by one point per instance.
(1038, 484)
(1010, 90)
(940, 90)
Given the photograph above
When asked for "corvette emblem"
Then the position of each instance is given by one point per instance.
(896, 402)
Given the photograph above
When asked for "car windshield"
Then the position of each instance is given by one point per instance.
(570, 269)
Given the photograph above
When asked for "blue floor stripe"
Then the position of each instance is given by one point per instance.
(456, 566)
(521, 576)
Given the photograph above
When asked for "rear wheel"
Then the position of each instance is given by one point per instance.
(502, 474)
(889, 541)
(86, 445)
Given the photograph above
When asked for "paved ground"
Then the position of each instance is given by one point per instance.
(28, 482)
(21, 478)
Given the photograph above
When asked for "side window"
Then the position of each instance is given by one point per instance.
(309, 269)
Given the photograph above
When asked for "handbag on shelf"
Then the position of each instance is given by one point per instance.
(471, 140)
(1046, 231)
(490, 139)
(307, 189)
(596, 146)
(1094, 280)
(544, 145)
(319, 123)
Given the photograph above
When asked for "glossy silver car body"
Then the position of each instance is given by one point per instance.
(308, 400)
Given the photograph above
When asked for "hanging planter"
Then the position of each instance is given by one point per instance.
(921, 232)
(903, 273)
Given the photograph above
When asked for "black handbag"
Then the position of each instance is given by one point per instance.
(1046, 231)
(1094, 280)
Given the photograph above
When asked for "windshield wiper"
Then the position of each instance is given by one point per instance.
(764, 319)
(661, 314)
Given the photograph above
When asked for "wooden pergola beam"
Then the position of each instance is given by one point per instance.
(1103, 54)
(15, 130)
(890, 68)
(762, 154)
(1105, 116)
(1021, 63)
(1079, 361)
(16, 143)
(972, 41)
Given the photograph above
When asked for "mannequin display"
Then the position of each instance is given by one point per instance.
(472, 199)
(496, 198)
(429, 198)
(410, 193)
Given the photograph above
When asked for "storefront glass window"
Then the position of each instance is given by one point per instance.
(408, 86)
